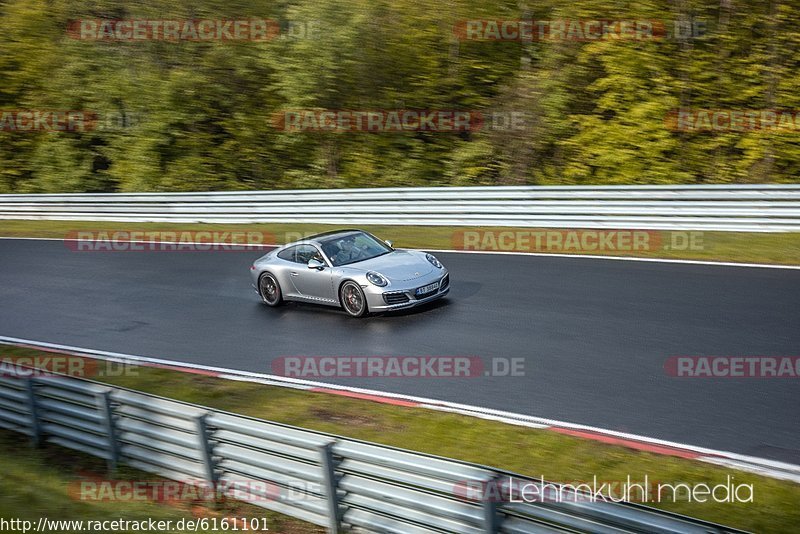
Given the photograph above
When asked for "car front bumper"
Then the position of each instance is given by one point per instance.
(381, 299)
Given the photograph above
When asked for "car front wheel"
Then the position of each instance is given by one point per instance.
(352, 298)
(269, 289)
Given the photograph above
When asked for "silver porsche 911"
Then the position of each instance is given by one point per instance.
(352, 269)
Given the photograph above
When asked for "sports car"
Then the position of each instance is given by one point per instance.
(351, 269)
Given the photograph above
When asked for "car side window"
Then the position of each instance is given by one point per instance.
(287, 254)
(331, 249)
(306, 253)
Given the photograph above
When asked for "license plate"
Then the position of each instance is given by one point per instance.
(427, 289)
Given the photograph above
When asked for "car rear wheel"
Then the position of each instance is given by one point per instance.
(269, 289)
(352, 298)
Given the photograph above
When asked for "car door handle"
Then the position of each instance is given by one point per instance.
(294, 273)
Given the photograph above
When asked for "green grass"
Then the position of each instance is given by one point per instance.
(743, 247)
(41, 483)
(533, 452)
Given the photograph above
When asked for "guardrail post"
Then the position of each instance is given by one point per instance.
(331, 483)
(490, 495)
(103, 400)
(206, 452)
(36, 428)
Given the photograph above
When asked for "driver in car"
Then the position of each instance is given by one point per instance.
(348, 251)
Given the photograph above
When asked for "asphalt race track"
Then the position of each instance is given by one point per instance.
(594, 333)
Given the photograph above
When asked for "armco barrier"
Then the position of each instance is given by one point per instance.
(338, 483)
(754, 208)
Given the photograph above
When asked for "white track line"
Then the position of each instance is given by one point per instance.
(623, 258)
(762, 466)
(453, 251)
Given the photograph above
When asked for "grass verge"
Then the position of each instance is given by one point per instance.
(532, 452)
(742, 247)
(42, 482)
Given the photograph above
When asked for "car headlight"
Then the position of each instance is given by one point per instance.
(376, 279)
(431, 258)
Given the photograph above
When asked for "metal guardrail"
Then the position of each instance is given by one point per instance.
(757, 208)
(338, 483)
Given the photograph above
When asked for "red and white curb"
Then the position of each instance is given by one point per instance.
(752, 464)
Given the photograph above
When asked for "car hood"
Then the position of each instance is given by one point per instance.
(398, 265)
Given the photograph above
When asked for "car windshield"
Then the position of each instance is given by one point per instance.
(343, 249)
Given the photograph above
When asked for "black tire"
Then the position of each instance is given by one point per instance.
(352, 298)
(270, 290)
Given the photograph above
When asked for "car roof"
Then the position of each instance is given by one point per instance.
(317, 238)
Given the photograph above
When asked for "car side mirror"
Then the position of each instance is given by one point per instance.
(315, 264)
(389, 243)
